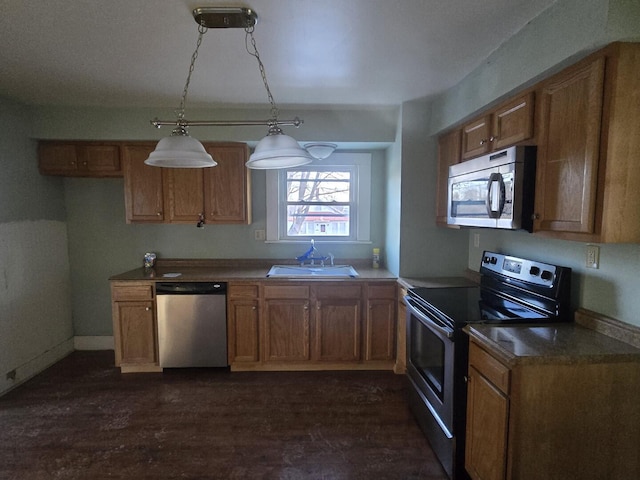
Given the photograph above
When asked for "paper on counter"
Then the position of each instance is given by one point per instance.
(171, 275)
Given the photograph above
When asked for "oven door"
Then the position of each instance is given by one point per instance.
(430, 363)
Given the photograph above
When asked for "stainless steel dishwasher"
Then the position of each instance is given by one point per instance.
(192, 324)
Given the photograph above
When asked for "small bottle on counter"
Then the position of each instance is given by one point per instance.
(376, 258)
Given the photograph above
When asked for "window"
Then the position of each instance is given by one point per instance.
(324, 200)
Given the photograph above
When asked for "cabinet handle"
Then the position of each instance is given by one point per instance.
(535, 216)
(493, 139)
(148, 308)
(159, 213)
(467, 379)
(483, 141)
(306, 306)
(73, 162)
(253, 308)
(84, 163)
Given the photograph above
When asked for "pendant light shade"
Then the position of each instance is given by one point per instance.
(278, 150)
(180, 151)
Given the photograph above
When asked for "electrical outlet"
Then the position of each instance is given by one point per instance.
(476, 240)
(259, 234)
(592, 257)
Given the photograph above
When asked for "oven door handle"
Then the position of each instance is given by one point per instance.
(431, 323)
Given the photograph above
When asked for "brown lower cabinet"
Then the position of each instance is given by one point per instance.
(312, 325)
(541, 420)
(275, 326)
(134, 326)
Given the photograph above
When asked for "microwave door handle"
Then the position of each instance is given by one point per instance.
(493, 178)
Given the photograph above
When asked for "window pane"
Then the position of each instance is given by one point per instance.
(318, 220)
(318, 186)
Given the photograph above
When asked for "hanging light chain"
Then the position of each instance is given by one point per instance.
(249, 38)
(183, 101)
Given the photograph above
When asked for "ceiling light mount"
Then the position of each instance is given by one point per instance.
(276, 150)
(225, 17)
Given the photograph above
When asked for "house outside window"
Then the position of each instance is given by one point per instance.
(328, 200)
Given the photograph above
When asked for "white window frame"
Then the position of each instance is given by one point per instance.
(362, 183)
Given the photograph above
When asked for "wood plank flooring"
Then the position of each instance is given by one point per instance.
(83, 419)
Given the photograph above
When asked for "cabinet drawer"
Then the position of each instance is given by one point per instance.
(132, 292)
(382, 291)
(243, 290)
(286, 291)
(491, 368)
(342, 291)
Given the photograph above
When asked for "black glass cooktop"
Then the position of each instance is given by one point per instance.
(459, 306)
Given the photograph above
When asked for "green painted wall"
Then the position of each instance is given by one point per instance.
(35, 307)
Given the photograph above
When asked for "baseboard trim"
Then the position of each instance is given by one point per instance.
(102, 342)
(22, 373)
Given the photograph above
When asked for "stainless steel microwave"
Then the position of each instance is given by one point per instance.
(495, 190)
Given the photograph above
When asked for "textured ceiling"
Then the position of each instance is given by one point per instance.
(316, 52)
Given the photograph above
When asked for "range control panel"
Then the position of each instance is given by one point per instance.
(526, 270)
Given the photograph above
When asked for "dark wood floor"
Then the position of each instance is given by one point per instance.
(82, 419)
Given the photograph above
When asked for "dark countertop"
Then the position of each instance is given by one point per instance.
(469, 278)
(560, 343)
(247, 270)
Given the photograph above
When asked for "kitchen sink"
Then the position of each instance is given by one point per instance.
(312, 271)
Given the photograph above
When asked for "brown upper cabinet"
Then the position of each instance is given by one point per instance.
(510, 123)
(79, 159)
(218, 194)
(588, 172)
(448, 154)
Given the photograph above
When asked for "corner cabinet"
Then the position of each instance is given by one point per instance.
(219, 195)
(449, 146)
(134, 327)
(587, 170)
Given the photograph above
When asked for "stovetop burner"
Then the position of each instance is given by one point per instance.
(512, 290)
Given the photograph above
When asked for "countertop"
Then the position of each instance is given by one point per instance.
(242, 269)
(560, 343)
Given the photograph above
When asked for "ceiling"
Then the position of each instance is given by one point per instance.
(316, 52)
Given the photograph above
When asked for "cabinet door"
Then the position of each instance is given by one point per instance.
(380, 329)
(57, 158)
(568, 150)
(448, 154)
(286, 330)
(243, 330)
(227, 186)
(475, 137)
(338, 320)
(136, 333)
(184, 194)
(513, 122)
(337, 334)
(142, 185)
(487, 420)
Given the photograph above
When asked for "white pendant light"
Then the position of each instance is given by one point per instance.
(276, 150)
(180, 151)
